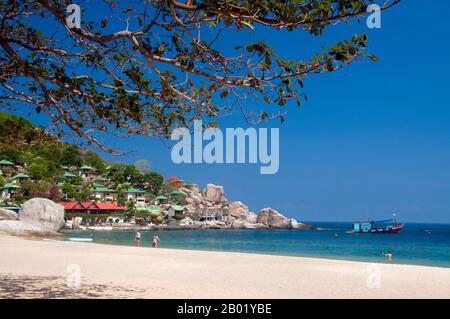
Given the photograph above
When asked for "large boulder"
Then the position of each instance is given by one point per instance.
(213, 193)
(213, 224)
(7, 214)
(186, 221)
(20, 228)
(190, 209)
(294, 224)
(252, 217)
(194, 188)
(194, 198)
(42, 213)
(238, 210)
(272, 218)
(238, 224)
(256, 226)
(242, 224)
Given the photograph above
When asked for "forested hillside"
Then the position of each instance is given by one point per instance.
(45, 160)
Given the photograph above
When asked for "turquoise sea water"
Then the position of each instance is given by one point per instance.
(412, 246)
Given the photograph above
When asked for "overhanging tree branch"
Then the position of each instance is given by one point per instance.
(144, 69)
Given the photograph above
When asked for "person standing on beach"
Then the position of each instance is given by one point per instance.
(155, 241)
(137, 238)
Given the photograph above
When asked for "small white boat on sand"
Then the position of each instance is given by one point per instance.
(81, 239)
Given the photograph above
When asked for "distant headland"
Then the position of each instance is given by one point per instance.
(38, 170)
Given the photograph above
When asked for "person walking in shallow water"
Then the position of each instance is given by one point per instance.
(155, 241)
(137, 238)
(388, 255)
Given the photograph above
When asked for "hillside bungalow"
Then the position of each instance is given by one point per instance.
(92, 208)
(18, 178)
(15, 208)
(104, 193)
(87, 171)
(5, 164)
(60, 185)
(136, 195)
(67, 177)
(101, 180)
(153, 211)
(9, 189)
(176, 192)
(176, 211)
(160, 199)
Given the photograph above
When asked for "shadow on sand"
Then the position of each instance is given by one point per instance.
(46, 287)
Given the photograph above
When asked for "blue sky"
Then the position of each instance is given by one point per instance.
(372, 139)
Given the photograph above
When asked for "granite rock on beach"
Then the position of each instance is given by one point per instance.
(37, 217)
(7, 214)
(43, 212)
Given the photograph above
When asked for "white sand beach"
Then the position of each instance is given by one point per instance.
(39, 269)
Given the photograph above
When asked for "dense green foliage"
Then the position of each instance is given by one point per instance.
(94, 160)
(46, 159)
(71, 155)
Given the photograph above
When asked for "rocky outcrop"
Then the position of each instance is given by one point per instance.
(7, 214)
(238, 224)
(272, 218)
(251, 217)
(238, 210)
(214, 193)
(210, 209)
(187, 221)
(242, 224)
(210, 204)
(293, 224)
(190, 208)
(37, 216)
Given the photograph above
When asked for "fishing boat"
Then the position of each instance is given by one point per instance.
(388, 226)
